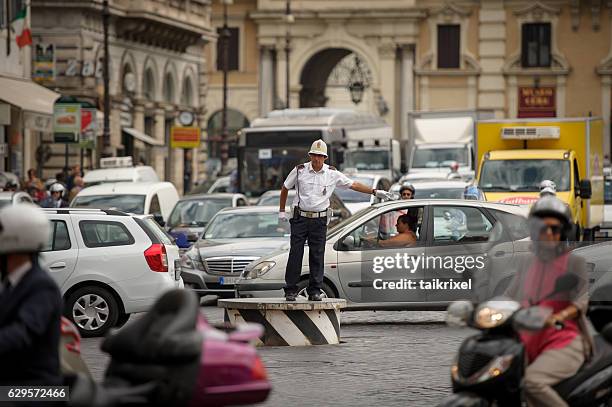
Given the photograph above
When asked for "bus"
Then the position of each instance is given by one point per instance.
(273, 145)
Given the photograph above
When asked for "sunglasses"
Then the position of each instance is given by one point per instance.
(554, 229)
(406, 194)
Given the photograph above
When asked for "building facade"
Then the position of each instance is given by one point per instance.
(26, 109)
(549, 58)
(157, 75)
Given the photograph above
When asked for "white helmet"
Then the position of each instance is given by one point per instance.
(24, 228)
(57, 187)
(318, 147)
(548, 184)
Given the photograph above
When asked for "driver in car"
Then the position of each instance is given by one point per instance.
(406, 225)
(556, 352)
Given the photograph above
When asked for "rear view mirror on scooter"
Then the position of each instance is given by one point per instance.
(565, 283)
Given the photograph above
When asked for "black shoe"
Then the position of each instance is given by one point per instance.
(314, 297)
(290, 296)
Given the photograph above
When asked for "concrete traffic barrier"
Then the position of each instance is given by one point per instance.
(299, 323)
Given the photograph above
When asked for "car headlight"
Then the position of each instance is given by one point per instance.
(191, 263)
(259, 269)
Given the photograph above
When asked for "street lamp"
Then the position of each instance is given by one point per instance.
(106, 79)
(225, 36)
(357, 82)
(289, 19)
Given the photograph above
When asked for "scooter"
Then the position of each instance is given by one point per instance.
(173, 356)
(490, 366)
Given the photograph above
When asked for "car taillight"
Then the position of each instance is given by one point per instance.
(156, 257)
(259, 370)
(69, 330)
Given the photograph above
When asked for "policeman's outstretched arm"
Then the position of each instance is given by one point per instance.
(379, 193)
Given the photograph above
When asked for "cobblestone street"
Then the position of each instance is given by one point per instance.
(386, 358)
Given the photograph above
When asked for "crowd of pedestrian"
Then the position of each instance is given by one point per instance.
(55, 192)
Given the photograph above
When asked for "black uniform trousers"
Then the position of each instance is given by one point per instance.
(314, 230)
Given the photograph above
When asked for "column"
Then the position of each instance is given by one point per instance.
(281, 76)
(159, 152)
(406, 89)
(265, 80)
(560, 100)
(115, 128)
(492, 51)
(388, 56)
(199, 170)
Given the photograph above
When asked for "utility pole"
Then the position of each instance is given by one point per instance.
(288, 20)
(106, 79)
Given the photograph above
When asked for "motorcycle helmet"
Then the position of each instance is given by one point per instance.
(24, 228)
(550, 206)
(11, 186)
(548, 188)
(57, 187)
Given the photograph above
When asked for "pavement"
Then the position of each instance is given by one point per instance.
(389, 358)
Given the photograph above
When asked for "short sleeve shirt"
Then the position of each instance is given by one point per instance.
(315, 187)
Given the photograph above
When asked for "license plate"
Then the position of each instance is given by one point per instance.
(228, 280)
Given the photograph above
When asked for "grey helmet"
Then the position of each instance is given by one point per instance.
(57, 187)
(551, 206)
(548, 187)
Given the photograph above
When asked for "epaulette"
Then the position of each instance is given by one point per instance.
(300, 166)
(331, 167)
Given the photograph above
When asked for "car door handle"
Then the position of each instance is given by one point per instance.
(357, 284)
(499, 253)
(58, 265)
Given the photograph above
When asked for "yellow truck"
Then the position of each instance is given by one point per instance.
(516, 155)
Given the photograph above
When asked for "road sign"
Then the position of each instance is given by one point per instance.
(185, 137)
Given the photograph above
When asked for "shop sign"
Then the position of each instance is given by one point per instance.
(44, 63)
(185, 137)
(38, 122)
(537, 102)
(66, 122)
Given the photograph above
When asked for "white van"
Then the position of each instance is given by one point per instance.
(142, 198)
(119, 169)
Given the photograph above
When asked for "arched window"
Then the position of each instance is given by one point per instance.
(235, 121)
(148, 87)
(187, 93)
(169, 88)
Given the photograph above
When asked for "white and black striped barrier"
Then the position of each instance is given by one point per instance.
(299, 323)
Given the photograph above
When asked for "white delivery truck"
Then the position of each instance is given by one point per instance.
(437, 139)
(273, 145)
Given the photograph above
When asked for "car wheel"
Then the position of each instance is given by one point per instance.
(326, 291)
(122, 320)
(93, 310)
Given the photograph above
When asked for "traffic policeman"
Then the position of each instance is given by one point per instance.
(314, 182)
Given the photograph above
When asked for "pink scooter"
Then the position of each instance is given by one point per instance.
(173, 356)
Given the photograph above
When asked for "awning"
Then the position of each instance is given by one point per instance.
(27, 95)
(138, 135)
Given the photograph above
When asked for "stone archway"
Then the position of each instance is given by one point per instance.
(314, 75)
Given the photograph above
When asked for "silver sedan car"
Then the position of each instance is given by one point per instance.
(455, 249)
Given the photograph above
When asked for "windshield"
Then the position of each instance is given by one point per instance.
(340, 225)
(439, 157)
(348, 195)
(438, 193)
(192, 212)
(125, 203)
(523, 175)
(246, 225)
(367, 159)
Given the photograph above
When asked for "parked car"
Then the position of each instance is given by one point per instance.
(233, 238)
(434, 189)
(11, 198)
(192, 213)
(108, 265)
(272, 198)
(119, 169)
(492, 233)
(356, 201)
(142, 198)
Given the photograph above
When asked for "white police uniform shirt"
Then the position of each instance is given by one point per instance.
(315, 187)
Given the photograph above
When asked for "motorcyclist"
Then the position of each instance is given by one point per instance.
(30, 301)
(55, 200)
(548, 187)
(553, 354)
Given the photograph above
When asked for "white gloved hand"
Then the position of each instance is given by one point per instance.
(282, 217)
(381, 194)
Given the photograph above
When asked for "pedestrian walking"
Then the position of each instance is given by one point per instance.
(314, 182)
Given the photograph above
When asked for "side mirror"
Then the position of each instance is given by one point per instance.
(157, 217)
(567, 282)
(336, 213)
(348, 242)
(585, 189)
(459, 313)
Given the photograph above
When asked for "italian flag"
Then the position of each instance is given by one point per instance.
(23, 35)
